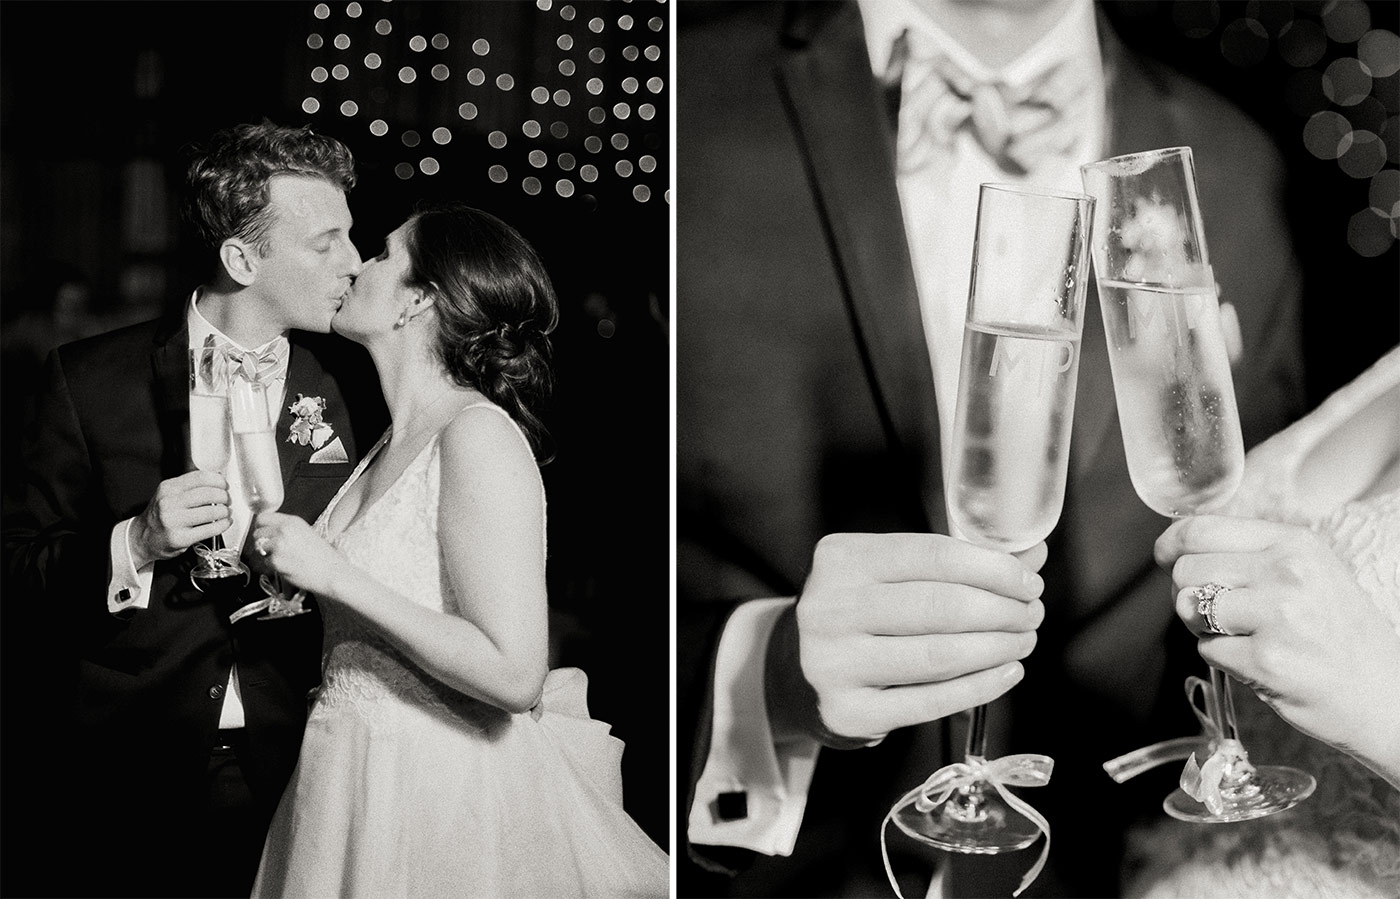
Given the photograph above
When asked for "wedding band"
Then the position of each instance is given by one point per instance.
(1206, 595)
(260, 545)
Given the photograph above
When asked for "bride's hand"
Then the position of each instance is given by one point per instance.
(296, 552)
(1299, 629)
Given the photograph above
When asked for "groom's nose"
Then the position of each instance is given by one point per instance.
(356, 265)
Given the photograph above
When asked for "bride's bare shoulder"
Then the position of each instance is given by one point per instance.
(1356, 451)
(482, 439)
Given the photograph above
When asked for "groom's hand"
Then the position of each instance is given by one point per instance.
(184, 511)
(898, 629)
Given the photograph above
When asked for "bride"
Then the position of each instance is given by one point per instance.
(441, 756)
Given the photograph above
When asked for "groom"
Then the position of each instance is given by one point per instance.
(167, 733)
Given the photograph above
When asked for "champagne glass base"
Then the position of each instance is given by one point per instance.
(995, 827)
(1270, 789)
(271, 615)
(205, 579)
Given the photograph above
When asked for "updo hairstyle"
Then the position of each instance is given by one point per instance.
(495, 307)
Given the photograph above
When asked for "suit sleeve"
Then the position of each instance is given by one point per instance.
(56, 536)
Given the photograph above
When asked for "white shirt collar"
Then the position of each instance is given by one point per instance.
(1074, 37)
(201, 328)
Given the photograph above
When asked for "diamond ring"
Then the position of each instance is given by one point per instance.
(1206, 595)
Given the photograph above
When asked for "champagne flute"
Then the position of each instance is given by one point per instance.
(1176, 404)
(255, 442)
(209, 450)
(1010, 453)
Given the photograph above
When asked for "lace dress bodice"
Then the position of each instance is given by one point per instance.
(396, 539)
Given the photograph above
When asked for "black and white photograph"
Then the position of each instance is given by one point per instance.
(704, 449)
(336, 448)
(1037, 502)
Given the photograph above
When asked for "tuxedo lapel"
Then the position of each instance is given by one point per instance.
(303, 378)
(838, 115)
(310, 486)
(170, 371)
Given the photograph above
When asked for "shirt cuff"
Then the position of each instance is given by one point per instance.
(127, 588)
(751, 793)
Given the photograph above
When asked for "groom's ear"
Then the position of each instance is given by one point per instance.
(239, 260)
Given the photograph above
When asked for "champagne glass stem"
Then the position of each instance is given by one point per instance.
(977, 732)
(1222, 706)
(967, 801)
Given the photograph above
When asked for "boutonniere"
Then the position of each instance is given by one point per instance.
(309, 427)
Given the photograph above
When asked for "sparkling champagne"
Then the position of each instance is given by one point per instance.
(260, 468)
(1176, 401)
(209, 448)
(1011, 433)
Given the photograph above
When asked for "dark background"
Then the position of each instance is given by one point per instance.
(99, 98)
(1248, 51)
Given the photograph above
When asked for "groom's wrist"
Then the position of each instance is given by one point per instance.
(137, 537)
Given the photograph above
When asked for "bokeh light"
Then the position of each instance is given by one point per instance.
(1369, 234)
(1244, 42)
(1365, 157)
(1379, 50)
(1196, 20)
(1346, 81)
(1346, 22)
(568, 61)
(1302, 43)
(1327, 135)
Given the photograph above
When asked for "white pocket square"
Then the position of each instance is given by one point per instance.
(331, 452)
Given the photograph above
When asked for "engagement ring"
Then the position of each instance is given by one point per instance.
(1205, 605)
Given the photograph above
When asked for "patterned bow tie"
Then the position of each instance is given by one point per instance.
(263, 365)
(1018, 126)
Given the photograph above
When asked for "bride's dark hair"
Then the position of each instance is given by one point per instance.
(495, 307)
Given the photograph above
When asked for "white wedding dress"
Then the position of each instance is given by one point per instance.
(1343, 842)
(408, 788)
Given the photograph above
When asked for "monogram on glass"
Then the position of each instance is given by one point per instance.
(255, 442)
(1007, 468)
(209, 451)
(1180, 424)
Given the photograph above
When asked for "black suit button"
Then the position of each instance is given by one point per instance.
(216, 691)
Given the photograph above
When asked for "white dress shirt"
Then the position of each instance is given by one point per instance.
(137, 582)
(939, 205)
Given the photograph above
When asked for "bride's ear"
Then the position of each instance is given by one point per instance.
(422, 301)
(426, 298)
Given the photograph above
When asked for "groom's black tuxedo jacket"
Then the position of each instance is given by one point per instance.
(805, 406)
(131, 704)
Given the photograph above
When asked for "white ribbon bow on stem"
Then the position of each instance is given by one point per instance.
(1201, 781)
(1023, 770)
